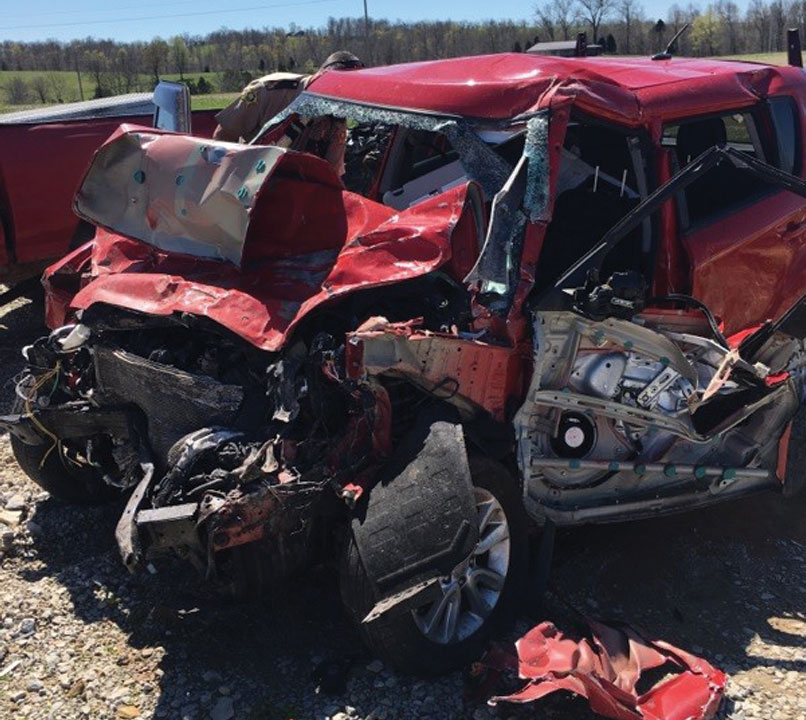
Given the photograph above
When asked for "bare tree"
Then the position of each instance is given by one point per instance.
(39, 85)
(705, 33)
(629, 11)
(758, 15)
(778, 17)
(545, 16)
(556, 17)
(594, 13)
(17, 91)
(156, 55)
(125, 65)
(676, 18)
(179, 52)
(96, 62)
(797, 13)
(728, 13)
(58, 86)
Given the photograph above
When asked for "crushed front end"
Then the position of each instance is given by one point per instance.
(188, 367)
(224, 445)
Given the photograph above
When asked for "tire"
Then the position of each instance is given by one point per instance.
(400, 640)
(53, 472)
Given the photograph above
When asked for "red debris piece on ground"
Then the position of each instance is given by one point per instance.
(607, 669)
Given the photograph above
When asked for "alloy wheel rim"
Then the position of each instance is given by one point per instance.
(473, 589)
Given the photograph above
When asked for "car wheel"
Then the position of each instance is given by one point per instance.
(57, 468)
(478, 597)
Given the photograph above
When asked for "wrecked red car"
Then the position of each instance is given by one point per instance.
(543, 290)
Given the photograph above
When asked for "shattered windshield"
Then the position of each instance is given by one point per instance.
(523, 198)
(394, 156)
(401, 157)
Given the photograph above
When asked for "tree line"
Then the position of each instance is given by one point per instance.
(222, 61)
(233, 57)
(718, 28)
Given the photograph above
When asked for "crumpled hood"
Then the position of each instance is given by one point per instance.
(185, 194)
(300, 239)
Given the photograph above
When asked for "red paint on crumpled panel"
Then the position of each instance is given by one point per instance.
(606, 670)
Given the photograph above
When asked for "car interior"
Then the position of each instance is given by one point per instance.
(597, 185)
(725, 186)
(401, 166)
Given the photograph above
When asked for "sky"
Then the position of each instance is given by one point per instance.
(126, 20)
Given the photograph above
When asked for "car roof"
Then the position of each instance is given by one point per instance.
(629, 90)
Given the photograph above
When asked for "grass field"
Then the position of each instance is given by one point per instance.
(775, 58)
(5, 108)
(214, 101)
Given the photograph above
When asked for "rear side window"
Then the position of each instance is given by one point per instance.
(785, 125)
(725, 187)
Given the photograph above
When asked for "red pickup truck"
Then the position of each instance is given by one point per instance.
(43, 156)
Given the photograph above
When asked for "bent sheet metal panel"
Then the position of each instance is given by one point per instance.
(467, 372)
(630, 91)
(176, 192)
(607, 669)
(352, 243)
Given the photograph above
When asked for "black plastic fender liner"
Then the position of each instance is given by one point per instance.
(72, 420)
(419, 520)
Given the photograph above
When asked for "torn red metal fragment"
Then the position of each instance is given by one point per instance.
(607, 669)
(243, 517)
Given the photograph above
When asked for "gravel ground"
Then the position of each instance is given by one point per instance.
(81, 638)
